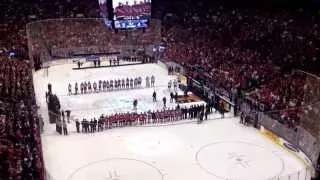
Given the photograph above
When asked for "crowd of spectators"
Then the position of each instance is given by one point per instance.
(14, 16)
(53, 35)
(20, 145)
(68, 37)
(256, 51)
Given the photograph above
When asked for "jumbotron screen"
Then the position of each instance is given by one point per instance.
(131, 13)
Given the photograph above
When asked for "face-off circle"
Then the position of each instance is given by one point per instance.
(117, 169)
(239, 160)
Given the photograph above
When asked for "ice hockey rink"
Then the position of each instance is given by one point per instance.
(216, 149)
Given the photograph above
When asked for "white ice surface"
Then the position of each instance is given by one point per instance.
(216, 149)
(95, 104)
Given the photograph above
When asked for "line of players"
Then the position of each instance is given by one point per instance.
(111, 85)
(200, 112)
(90, 126)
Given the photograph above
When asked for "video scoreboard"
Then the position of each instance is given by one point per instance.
(126, 13)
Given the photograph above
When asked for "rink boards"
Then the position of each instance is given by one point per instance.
(188, 151)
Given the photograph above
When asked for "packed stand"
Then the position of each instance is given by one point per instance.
(14, 16)
(251, 50)
(285, 94)
(72, 35)
(20, 147)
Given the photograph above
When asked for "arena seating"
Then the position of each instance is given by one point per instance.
(15, 15)
(254, 50)
(75, 33)
(20, 145)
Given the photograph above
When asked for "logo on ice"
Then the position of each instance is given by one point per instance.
(239, 159)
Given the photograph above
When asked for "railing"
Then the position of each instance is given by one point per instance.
(299, 137)
(298, 140)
